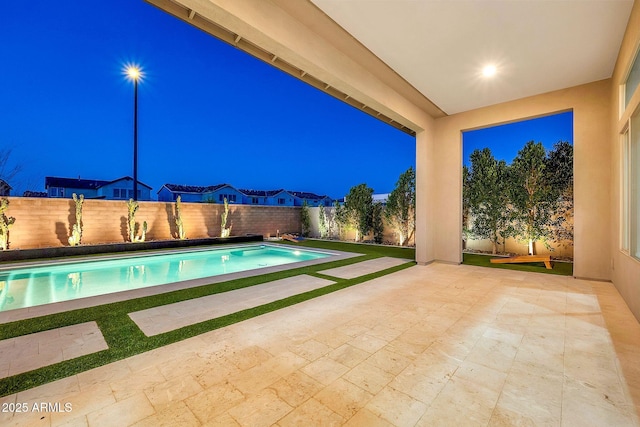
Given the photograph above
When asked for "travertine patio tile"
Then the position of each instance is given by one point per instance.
(389, 361)
(33, 351)
(175, 390)
(172, 416)
(365, 267)
(325, 370)
(365, 417)
(254, 379)
(83, 402)
(214, 402)
(396, 407)
(260, 410)
(249, 357)
(368, 343)
(296, 388)
(529, 397)
(349, 355)
(344, 398)
(136, 382)
(368, 377)
(285, 363)
(310, 349)
(311, 413)
(169, 317)
(122, 413)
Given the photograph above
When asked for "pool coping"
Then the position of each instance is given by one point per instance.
(62, 306)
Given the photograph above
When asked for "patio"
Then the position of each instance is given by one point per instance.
(429, 345)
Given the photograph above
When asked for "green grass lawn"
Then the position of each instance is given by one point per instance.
(125, 339)
(561, 268)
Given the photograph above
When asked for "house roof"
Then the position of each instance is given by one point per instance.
(212, 188)
(261, 193)
(177, 188)
(128, 178)
(84, 184)
(308, 196)
(88, 184)
(30, 193)
(4, 183)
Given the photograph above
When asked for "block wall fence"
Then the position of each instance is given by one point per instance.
(43, 222)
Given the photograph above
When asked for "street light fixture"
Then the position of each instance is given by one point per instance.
(135, 73)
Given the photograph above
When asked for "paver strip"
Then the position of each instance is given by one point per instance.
(169, 317)
(365, 267)
(33, 351)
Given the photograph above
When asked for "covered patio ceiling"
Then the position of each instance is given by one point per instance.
(441, 47)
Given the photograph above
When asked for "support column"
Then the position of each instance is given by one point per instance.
(425, 187)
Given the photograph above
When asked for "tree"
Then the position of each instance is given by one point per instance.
(323, 225)
(377, 223)
(466, 205)
(487, 196)
(533, 199)
(305, 218)
(359, 205)
(342, 218)
(400, 211)
(559, 169)
(7, 173)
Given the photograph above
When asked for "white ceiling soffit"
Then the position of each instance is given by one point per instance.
(440, 47)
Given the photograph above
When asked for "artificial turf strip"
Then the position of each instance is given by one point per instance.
(559, 268)
(125, 339)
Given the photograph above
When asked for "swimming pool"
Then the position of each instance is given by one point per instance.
(44, 284)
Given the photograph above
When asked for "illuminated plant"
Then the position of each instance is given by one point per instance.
(76, 232)
(5, 222)
(179, 224)
(224, 231)
(323, 225)
(133, 207)
(305, 218)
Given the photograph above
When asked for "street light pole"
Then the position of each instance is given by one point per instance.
(134, 74)
(135, 139)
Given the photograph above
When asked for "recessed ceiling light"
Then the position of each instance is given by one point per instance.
(489, 70)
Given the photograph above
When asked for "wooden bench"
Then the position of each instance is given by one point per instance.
(524, 258)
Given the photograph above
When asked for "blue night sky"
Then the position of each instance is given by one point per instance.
(208, 113)
(506, 140)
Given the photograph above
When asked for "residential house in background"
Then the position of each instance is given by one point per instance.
(381, 198)
(119, 189)
(256, 197)
(5, 188)
(299, 197)
(187, 193)
(217, 194)
(280, 198)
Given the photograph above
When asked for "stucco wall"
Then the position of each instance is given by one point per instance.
(592, 173)
(44, 222)
(626, 270)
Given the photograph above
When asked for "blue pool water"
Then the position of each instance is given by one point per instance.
(44, 284)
